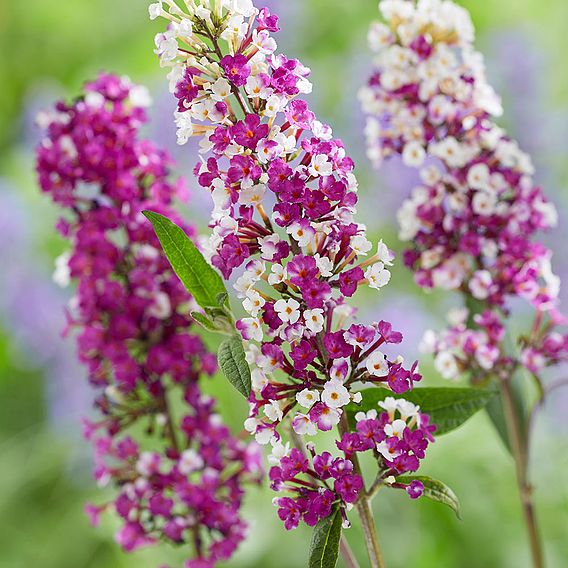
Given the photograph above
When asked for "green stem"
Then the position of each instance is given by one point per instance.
(365, 513)
(347, 554)
(520, 451)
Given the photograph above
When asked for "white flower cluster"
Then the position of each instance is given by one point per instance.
(430, 102)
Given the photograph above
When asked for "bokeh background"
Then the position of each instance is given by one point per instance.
(48, 48)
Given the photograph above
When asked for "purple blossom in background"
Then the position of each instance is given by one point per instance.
(180, 474)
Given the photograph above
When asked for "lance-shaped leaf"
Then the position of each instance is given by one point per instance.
(204, 321)
(232, 360)
(447, 407)
(200, 279)
(435, 490)
(497, 413)
(324, 550)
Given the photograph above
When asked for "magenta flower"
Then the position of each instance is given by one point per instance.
(134, 335)
(284, 225)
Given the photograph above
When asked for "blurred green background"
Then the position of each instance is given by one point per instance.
(48, 48)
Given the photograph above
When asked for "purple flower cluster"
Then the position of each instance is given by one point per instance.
(398, 437)
(315, 486)
(472, 222)
(182, 481)
(284, 195)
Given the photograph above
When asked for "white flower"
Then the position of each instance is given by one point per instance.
(277, 275)
(302, 233)
(484, 203)
(253, 303)
(155, 10)
(334, 394)
(251, 329)
(450, 275)
(388, 453)
(486, 356)
(324, 264)
(221, 89)
(314, 320)
(274, 411)
(478, 177)
(184, 127)
(264, 436)
(377, 365)
(450, 151)
(428, 342)
(244, 284)
(263, 42)
(268, 246)
(148, 464)
(390, 404)
(384, 254)
(481, 284)
(253, 195)
(255, 88)
(166, 47)
(256, 268)
(377, 275)
(274, 105)
(329, 417)
(379, 36)
(369, 415)
(446, 365)
(407, 409)
(288, 310)
(307, 398)
(320, 166)
(303, 426)
(430, 175)
(361, 245)
(162, 307)
(243, 7)
(189, 462)
(204, 13)
(258, 379)
(413, 154)
(236, 29)
(396, 428)
(279, 450)
(62, 273)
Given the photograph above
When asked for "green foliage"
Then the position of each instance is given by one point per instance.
(324, 549)
(436, 491)
(196, 274)
(231, 357)
(447, 407)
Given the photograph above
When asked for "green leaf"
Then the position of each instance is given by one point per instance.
(447, 407)
(496, 411)
(436, 491)
(324, 550)
(233, 363)
(204, 321)
(200, 279)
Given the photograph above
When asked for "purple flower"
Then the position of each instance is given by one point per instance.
(236, 68)
(249, 132)
(134, 335)
(415, 489)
